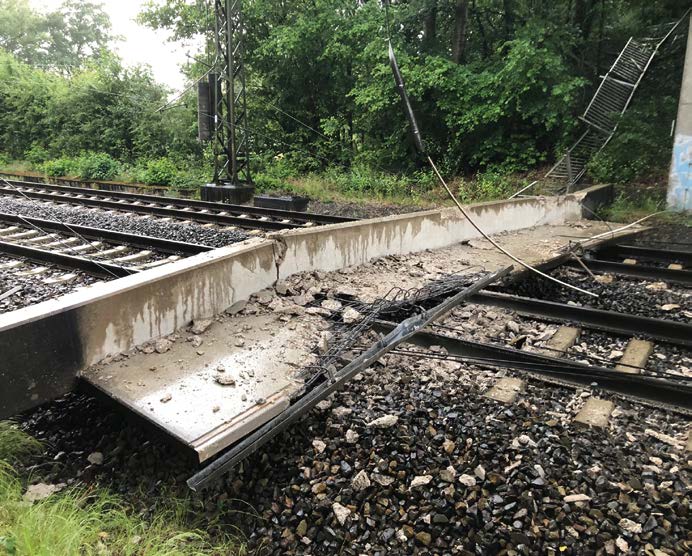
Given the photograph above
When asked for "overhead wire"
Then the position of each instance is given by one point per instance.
(419, 145)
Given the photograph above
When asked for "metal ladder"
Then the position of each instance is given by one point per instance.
(610, 101)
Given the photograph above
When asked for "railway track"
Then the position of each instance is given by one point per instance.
(81, 249)
(606, 355)
(238, 216)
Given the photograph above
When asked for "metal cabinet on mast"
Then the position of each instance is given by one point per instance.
(227, 100)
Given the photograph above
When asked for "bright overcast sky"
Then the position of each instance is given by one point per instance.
(140, 45)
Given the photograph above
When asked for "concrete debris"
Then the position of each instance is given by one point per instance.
(341, 512)
(41, 491)
(225, 379)
(577, 498)
(382, 480)
(351, 436)
(200, 326)
(630, 526)
(361, 481)
(657, 286)
(162, 345)
(384, 422)
(196, 341)
(331, 305)
(421, 480)
(605, 278)
(236, 307)
(350, 315)
(95, 458)
(319, 446)
(448, 474)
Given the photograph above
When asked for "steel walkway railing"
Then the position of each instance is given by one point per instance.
(610, 101)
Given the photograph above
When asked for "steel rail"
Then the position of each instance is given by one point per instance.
(678, 333)
(190, 203)
(281, 422)
(483, 354)
(248, 223)
(70, 262)
(682, 277)
(648, 253)
(143, 242)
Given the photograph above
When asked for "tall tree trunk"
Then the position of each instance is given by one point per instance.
(508, 8)
(461, 18)
(584, 12)
(481, 30)
(430, 26)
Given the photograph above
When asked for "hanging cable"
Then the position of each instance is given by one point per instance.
(418, 140)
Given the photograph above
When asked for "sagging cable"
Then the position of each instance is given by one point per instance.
(420, 147)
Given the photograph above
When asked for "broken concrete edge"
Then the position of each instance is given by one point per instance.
(45, 346)
(595, 197)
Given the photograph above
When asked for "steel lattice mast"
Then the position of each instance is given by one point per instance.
(230, 137)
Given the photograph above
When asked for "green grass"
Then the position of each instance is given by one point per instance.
(16, 445)
(92, 521)
(635, 201)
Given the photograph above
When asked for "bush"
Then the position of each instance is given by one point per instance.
(486, 186)
(640, 150)
(60, 167)
(161, 171)
(97, 166)
(37, 155)
(363, 180)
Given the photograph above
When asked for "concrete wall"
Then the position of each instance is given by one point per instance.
(341, 245)
(43, 347)
(680, 177)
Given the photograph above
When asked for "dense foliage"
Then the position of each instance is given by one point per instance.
(497, 85)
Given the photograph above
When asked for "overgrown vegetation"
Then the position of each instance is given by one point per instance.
(497, 86)
(90, 521)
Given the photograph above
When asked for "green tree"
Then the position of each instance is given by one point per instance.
(62, 40)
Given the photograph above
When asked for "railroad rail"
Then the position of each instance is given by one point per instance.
(225, 214)
(95, 251)
(638, 261)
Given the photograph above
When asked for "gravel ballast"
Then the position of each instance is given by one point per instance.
(411, 458)
(123, 222)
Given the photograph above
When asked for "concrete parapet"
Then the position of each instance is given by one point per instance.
(352, 243)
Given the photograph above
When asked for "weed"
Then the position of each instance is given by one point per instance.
(15, 444)
(81, 521)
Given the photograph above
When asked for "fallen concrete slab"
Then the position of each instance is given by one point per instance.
(595, 413)
(506, 390)
(210, 395)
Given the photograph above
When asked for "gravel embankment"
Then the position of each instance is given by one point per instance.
(32, 289)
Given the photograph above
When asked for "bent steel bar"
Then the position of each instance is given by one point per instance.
(641, 386)
(618, 323)
(281, 422)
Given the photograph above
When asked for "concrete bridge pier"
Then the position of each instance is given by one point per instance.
(680, 177)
